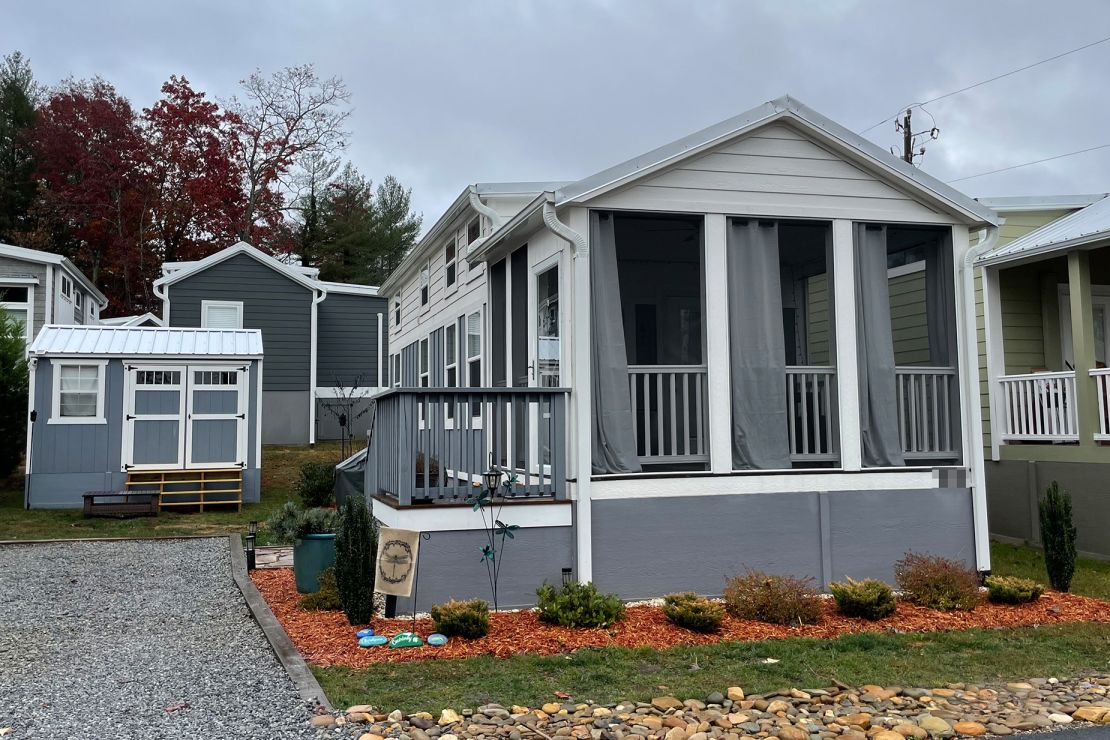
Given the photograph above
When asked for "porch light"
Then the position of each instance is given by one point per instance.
(493, 477)
(252, 531)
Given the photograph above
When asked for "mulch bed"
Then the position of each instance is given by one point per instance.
(325, 639)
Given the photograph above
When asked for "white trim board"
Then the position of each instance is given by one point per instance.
(727, 485)
(464, 518)
(237, 306)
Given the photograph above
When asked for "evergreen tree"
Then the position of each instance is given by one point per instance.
(346, 216)
(1058, 537)
(18, 94)
(356, 545)
(13, 394)
(394, 231)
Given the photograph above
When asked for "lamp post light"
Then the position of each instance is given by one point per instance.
(493, 478)
(252, 532)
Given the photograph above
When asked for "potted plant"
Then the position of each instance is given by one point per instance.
(312, 534)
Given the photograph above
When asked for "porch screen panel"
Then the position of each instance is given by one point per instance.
(878, 397)
(940, 303)
(760, 427)
(614, 443)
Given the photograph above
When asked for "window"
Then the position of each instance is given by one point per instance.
(158, 377)
(77, 297)
(221, 314)
(216, 377)
(17, 301)
(451, 363)
(396, 371)
(473, 231)
(397, 311)
(451, 263)
(425, 375)
(425, 277)
(474, 350)
(78, 396)
(67, 288)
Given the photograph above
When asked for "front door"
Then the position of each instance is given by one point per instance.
(153, 426)
(217, 417)
(545, 352)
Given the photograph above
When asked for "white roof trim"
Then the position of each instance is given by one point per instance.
(49, 258)
(809, 119)
(348, 288)
(1087, 227)
(191, 268)
(132, 320)
(1012, 203)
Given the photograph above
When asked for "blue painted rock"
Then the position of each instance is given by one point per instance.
(373, 641)
(437, 639)
(364, 633)
(405, 639)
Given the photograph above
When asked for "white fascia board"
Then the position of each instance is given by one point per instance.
(464, 518)
(1019, 203)
(349, 288)
(1033, 254)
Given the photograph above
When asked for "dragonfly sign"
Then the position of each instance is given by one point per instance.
(396, 562)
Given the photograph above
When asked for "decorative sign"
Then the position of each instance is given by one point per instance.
(405, 639)
(397, 552)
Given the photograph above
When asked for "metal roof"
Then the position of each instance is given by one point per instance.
(1010, 203)
(146, 341)
(1077, 229)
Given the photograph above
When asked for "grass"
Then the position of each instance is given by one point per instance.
(1092, 577)
(280, 469)
(615, 674)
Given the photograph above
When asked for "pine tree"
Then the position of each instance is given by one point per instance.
(356, 545)
(18, 94)
(1058, 537)
(394, 230)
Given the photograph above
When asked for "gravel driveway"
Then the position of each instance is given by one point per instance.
(136, 640)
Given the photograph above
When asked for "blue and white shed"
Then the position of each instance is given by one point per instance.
(116, 408)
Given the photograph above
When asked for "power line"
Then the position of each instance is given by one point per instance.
(992, 79)
(1026, 164)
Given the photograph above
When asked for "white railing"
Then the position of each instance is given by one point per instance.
(1102, 395)
(1039, 407)
(811, 411)
(669, 412)
(926, 421)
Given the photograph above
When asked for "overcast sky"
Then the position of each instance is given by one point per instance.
(450, 93)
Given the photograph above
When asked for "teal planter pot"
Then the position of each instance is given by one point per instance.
(312, 555)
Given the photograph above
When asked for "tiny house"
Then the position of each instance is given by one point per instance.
(39, 288)
(114, 409)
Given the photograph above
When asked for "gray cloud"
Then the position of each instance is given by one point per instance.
(448, 93)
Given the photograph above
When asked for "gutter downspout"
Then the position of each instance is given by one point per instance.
(160, 292)
(988, 239)
(582, 428)
(316, 300)
(495, 218)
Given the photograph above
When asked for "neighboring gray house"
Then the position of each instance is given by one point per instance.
(692, 362)
(40, 288)
(324, 341)
(138, 408)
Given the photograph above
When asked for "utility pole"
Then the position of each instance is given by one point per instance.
(909, 138)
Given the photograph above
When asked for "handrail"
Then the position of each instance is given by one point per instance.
(1034, 376)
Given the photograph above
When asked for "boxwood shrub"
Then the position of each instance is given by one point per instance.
(692, 612)
(578, 605)
(1013, 590)
(867, 599)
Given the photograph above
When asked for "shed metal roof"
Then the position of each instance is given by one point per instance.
(146, 341)
(1077, 229)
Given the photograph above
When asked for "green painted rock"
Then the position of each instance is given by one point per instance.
(405, 639)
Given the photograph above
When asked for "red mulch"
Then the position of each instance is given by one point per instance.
(325, 639)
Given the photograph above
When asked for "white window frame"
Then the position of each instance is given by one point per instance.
(448, 366)
(78, 296)
(205, 305)
(475, 412)
(424, 374)
(67, 288)
(56, 392)
(27, 306)
(426, 286)
(397, 311)
(451, 264)
(396, 369)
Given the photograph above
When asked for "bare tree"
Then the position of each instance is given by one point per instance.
(284, 120)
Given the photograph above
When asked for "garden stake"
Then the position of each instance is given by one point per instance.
(425, 536)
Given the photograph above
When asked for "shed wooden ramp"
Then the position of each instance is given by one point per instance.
(200, 488)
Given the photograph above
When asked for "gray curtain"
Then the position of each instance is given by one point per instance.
(940, 302)
(760, 432)
(878, 397)
(614, 444)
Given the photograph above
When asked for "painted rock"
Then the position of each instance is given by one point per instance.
(405, 639)
(364, 633)
(437, 639)
(373, 641)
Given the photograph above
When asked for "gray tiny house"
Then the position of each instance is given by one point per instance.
(144, 408)
(325, 341)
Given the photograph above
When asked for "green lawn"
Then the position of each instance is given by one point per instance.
(280, 468)
(1092, 577)
(614, 674)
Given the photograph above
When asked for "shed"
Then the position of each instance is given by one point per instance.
(116, 408)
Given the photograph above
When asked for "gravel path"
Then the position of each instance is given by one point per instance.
(136, 640)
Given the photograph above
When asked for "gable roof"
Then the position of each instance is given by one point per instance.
(137, 320)
(295, 274)
(1012, 203)
(145, 341)
(827, 131)
(1086, 226)
(49, 258)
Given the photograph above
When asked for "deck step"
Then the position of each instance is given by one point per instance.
(213, 487)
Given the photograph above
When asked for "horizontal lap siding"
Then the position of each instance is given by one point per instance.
(279, 306)
(774, 171)
(347, 340)
(909, 320)
(77, 448)
(10, 267)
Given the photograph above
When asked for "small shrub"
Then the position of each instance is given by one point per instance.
(1013, 590)
(937, 583)
(773, 599)
(327, 598)
(469, 619)
(316, 486)
(578, 605)
(1058, 536)
(693, 612)
(867, 599)
(291, 523)
(356, 544)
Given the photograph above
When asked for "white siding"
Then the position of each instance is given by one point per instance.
(774, 171)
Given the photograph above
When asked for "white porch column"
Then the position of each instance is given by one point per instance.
(581, 426)
(995, 351)
(717, 349)
(847, 361)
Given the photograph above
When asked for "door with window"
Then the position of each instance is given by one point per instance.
(545, 352)
(185, 417)
(1100, 316)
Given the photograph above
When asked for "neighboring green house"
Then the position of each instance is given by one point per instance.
(1044, 299)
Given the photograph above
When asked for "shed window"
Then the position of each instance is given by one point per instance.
(78, 393)
(16, 301)
(221, 314)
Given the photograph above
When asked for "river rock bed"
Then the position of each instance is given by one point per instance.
(862, 713)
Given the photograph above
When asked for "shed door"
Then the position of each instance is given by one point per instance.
(217, 417)
(153, 430)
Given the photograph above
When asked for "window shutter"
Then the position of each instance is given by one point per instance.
(222, 317)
